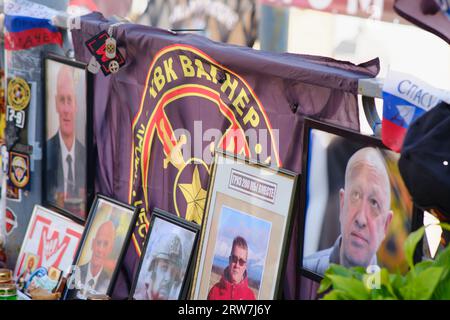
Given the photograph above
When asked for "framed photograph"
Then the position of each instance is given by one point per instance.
(246, 226)
(106, 236)
(50, 244)
(68, 157)
(355, 208)
(164, 271)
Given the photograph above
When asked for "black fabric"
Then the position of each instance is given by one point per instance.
(425, 159)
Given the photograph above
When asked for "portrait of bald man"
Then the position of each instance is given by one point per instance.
(65, 154)
(364, 214)
(93, 277)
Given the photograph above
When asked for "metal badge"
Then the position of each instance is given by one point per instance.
(114, 66)
(110, 48)
(93, 66)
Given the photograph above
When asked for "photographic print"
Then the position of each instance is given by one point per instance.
(106, 236)
(67, 177)
(165, 265)
(240, 252)
(356, 209)
(50, 243)
(244, 233)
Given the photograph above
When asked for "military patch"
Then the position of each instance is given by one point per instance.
(13, 193)
(19, 169)
(97, 46)
(19, 93)
(16, 117)
(11, 221)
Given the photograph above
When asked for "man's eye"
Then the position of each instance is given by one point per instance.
(374, 203)
(355, 195)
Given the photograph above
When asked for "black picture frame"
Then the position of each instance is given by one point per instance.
(354, 137)
(180, 223)
(48, 169)
(293, 207)
(134, 211)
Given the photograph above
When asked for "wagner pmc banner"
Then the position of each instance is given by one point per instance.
(179, 97)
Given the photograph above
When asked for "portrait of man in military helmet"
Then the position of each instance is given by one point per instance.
(164, 265)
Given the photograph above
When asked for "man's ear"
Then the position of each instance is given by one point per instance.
(390, 214)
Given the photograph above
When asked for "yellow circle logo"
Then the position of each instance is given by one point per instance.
(18, 94)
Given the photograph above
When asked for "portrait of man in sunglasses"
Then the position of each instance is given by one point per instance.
(233, 284)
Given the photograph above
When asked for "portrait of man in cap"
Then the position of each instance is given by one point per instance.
(165, 262)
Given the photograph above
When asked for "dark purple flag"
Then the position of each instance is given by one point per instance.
(180, 96)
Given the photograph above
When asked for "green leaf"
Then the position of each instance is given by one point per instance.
(445, 226)
(386, 282)
(422, 285)
(442, 259)
(421, 266)
(397, 283)
(442, 291)
(325, 284)
(337, 295)
(336, 269)
(410, 245)
(353, 287)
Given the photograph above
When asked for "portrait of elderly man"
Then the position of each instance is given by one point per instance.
(364, 214)
(163, 278)
(66, 155)
(91, 277)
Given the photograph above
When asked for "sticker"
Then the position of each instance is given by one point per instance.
(97, 46)
(23, 148)
(4, 157)
(18, 93)
(13, 193)
(54, 273)
(19, 169)
(16, 117)
(12, 135)
(93, 66)
(10, 222)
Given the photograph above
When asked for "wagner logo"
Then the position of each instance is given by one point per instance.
(214, 108)
(19, 170)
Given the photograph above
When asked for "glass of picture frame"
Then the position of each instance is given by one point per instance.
(355, 209)
(68, 160)
(245, 231)
(105, 239)
(166, 265)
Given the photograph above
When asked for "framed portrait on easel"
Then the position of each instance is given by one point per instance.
(245, 231)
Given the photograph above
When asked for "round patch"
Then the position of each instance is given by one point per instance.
(18, 94)
(114, 66)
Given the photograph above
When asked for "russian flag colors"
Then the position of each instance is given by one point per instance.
(29, 25)
(405, 99)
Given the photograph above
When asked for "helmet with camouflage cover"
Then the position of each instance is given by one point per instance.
(168, 248)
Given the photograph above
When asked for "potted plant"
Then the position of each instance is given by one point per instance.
(426, 280)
